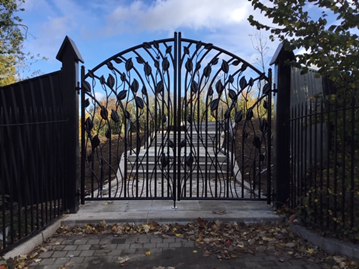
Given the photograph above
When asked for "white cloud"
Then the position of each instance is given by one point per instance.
(169, 15)
(102, 28)
(100, 96)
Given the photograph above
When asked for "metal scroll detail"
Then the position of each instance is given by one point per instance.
(174, 119)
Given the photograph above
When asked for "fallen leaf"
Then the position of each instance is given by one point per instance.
(146, 228)
(194, 251)
(123, 259)
(148, 253)
(219, 212)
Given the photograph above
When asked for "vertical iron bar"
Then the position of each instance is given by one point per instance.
(343, 142)
(83, 149)
(321, 168)
(269, 138)
(305, 151)
(335, 161)
(309, 131)
(352, 161)
(330, 148)
(292, 156)
(176, 112)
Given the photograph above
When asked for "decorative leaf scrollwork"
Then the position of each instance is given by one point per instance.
(139, 102)
(243, 83)
(210, 91)
(114, 116)
(88, 125)
(225, 67)
(168, 49)
(189, 65)
(266, 89)
(165, 64)
(238, 117)
(148, 69)
(164, 160)
(109, 65)
(232, 94)
(110, 81)
(194, 87)
(86, 86)
(129, 64)
(214, 104)
(140, 60)
(249, 114)
(256, 142)
(159, 87)
(207, 70)
(135, 86)
(87, 102)
(95, 142)
(108, 133)
(104, 113)
(219, 87)
(121, 95)
(189, 160)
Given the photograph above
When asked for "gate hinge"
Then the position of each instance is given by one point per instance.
(78, 88)
(78, 194)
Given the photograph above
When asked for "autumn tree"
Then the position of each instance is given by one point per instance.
(332, 46)
(13, 32)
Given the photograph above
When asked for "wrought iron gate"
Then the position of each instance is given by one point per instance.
(175, 119)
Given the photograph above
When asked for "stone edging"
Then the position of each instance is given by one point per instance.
(35, 241)
(330, 245)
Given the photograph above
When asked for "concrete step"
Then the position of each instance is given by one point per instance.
(202, 156)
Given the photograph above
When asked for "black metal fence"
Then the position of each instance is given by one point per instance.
(38, 152)
(32, 157)
(324, 181)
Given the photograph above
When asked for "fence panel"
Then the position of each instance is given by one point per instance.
(32, 126)
(324, 162)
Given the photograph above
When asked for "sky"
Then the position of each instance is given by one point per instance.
(102, 28)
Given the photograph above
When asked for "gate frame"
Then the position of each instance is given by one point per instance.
(179, 65)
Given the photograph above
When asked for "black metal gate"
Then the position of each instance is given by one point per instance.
(175, 119)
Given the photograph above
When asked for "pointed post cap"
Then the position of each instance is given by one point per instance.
(69, 46)
(281, 54)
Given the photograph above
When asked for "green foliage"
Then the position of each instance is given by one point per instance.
(13, 33)
(331, 190)
(330, 194)
(333, 48)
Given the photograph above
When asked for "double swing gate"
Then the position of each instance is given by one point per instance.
(175, 119)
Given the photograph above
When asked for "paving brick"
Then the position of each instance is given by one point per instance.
(61, 261)
(70, 247)
(74, 253)
(59, 254)
(46, 254)
(87, 253)
(47, 261)
(83, 247)
(77, 260)
(81, 241)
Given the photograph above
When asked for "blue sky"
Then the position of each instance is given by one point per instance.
(102, 28)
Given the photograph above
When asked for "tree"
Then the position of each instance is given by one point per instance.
(260, 45)
(332, 47)
(12, 35)
(7, 71)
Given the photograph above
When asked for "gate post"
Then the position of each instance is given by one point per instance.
(281, 130)
(70, 57)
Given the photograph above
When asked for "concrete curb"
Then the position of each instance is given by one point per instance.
(330, 245)
(37, 240)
